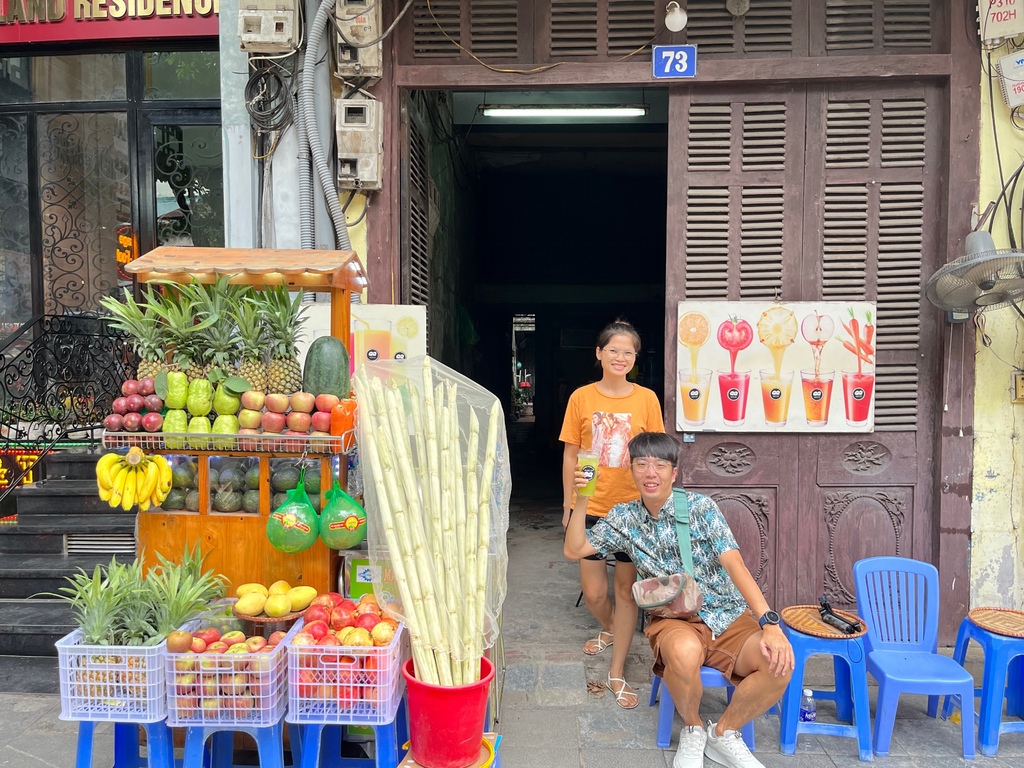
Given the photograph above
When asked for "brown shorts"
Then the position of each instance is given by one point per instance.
(720, 652)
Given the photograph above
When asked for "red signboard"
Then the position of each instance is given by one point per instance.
(13, 463)
(50, 21)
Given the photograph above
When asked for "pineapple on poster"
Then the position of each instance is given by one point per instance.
(775, 367)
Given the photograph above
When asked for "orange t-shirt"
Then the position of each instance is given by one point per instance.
(605, 425)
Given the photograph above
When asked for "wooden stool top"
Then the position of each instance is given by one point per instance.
(807, 619)
(1001, 621)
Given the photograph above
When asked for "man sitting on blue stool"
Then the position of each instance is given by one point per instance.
(753, 654)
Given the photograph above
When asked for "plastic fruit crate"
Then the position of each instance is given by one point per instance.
(123, 684)
(346, 685)
(244, 689)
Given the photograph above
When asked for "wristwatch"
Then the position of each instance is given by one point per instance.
(769, 617)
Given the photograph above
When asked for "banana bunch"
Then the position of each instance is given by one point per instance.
(133, 478)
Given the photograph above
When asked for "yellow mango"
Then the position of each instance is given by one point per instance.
(251, 604)
(243, 589)
(279, 588)
(277, 606)
(301, 597)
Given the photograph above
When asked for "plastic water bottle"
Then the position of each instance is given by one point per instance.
(808, 714)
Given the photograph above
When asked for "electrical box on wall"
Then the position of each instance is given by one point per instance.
(1011, 77)
(358, 23)
(1017, 388)
(999, 19)
(360, 142)
(268, 26)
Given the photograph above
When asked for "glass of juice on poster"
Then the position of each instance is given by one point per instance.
(586, 463)
(859, 385)
(775, 392)
(817, 389)
(373, 342)
(733, 387)
(694, 387)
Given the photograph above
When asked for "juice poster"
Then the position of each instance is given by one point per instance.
(387, 332)
(775, 367)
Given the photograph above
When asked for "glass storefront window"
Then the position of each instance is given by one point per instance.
(15, 253)
(182, 75)
(86, 77)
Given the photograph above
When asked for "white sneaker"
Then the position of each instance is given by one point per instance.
(729, 749)
(691, 747)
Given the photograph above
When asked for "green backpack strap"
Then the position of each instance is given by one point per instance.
(682, 506)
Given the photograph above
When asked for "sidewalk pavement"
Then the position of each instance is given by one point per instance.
(548, 716)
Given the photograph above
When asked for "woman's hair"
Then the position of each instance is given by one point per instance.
(620, 326)
(655, 444)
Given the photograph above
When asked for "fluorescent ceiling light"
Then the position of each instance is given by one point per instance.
(563, 110)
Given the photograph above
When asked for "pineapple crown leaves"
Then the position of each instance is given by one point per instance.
(251, 329)
(215, 301)
(181, 592)
(284, 317)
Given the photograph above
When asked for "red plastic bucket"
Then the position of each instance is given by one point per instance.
(446, 723)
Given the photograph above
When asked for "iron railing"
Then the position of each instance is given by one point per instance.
(59, 375)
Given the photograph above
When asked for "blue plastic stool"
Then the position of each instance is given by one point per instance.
(321, 744)
(269, 744)
(126, 745)
(709, 678)
(851, 694)
(1003, 655)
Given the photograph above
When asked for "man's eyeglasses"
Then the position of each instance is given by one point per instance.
(642, 465)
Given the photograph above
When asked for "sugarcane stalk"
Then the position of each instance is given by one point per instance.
(422, 472)
(470, 629)
(430, 430)
(453, 557)
(426, 667)
(457, 477)
(410, 537)
(484, 526)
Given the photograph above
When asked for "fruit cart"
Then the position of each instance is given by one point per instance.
(235, 544)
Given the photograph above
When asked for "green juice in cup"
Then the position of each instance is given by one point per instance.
(587, 464)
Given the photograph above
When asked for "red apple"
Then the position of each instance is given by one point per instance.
(249, 418)
(304, 402)
(256, 643)
(296, 443)
(132, 421)
(152, 422)
(342, 617)
(209, 687)
(272, 421)
(136, 403)
(217, 646)
(232, 638)
(248, 444)
(130, 387)
(317, 629)
(233, 684)
(276, 403)
(185, 684)
(276, 637)
(120, 405)
(113, 423)
(198, 644)
(320, 422)
(179, 641)
(186, 662)
(298, 421)
(253, 400)
(367, 621)
(207, 634)
(303, 638)
(147, 386)
(325, 402)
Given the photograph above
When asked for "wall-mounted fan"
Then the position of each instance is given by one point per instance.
(984, 278)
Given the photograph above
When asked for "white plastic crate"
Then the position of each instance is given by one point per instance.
(227, 688)
(345, 685)
(122, 684)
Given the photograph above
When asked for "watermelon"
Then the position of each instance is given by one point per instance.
(175, 500)
(284, 478)
(251, 501)
(325, 371)
(252, 478)
(232, 480)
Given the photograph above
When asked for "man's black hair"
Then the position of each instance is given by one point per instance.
(655, 444)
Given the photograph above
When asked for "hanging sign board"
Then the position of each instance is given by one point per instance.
(49, 21)
(748, 366)
(675, 61)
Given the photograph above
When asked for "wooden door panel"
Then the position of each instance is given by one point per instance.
(880, 458)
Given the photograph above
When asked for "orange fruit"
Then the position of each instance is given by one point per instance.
(694, 329)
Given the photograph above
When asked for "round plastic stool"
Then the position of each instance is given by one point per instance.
(126, 745)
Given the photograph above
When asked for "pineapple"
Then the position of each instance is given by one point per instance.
(219, 343)
(178, 312)
(149, 334)
(253, 339)
(283, 316)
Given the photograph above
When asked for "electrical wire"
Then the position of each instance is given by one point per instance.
(268, 100)
(372, 43)
(366, 207)
(999, 159)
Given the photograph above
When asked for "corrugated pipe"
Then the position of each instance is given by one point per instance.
(308, 115)
(307, 226)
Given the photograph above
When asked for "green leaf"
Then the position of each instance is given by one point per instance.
(236, 385)
(160, 385)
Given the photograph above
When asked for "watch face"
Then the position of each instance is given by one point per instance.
(770, 617)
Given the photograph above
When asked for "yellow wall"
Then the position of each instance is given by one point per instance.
(997, 544)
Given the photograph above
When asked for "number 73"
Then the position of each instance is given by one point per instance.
(675, 61)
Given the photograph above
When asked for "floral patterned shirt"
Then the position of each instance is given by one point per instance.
(653, 546)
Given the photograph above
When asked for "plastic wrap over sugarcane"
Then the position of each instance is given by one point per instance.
(437, 486)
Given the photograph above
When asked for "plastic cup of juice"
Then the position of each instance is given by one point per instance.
(694, 387)
(817, 389)
(733, 387)
(775, 392)
(586, 462)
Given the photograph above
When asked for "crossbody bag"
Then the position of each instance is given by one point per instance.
(676, 596)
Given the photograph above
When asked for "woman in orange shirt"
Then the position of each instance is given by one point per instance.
(602, 418)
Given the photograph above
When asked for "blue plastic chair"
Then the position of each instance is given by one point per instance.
(898, 598)
(709, 678)
(1003, 655)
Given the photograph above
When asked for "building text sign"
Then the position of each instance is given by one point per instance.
(40, 21)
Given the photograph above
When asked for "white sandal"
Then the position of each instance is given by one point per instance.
(600, 642)
(624, 691)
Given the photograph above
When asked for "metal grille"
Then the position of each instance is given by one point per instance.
(573, 28)
(845, 242)
(494, 27)
(848, 134)
(429, 31)
(764, 137)
(99, 543)
(900, 247)
(631, 25)
(707, 243)
(709, 143)
(762, 218)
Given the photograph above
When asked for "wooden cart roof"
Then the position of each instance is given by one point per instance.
(252, 266)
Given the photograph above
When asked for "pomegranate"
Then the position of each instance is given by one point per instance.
(367, 621)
